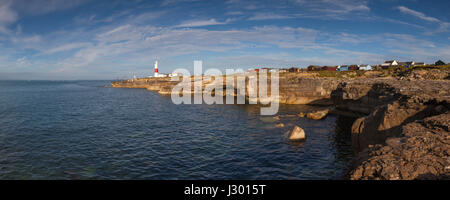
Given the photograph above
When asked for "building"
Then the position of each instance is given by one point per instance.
(294, 69)
(314, 68)
(329, 68)
(389, 63)
(439, 62)
(175, 74)
(342, 68)
(365, 67)
(353, 67)
(406, 64)
(157, 74)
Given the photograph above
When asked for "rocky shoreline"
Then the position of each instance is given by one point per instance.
(402, 129)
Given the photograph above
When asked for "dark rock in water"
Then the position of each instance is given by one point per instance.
(297, 134)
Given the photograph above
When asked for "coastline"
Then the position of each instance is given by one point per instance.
(398, 114)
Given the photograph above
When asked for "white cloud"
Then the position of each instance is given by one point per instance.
(9, 9)
(268, 16)
(443, 26)
(198, 23)
(22, 61)
(45, 6)
(417, 14)
(335, 6)
(27, 40)
(67, 47)
(168, 2)
(7, 16)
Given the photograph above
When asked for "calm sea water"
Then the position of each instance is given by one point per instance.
(80, 130)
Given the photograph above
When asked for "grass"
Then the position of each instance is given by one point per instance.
(340, 74)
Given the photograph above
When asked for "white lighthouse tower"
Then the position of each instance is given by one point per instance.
(156, 69)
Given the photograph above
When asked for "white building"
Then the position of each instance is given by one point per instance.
(390, 63)
(365, 67)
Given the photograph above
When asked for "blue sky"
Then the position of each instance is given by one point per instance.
(87, 39)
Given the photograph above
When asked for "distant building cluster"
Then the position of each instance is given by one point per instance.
(364, 67)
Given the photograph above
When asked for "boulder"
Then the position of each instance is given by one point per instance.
(280, 125)
(297, 134)
(318, 114)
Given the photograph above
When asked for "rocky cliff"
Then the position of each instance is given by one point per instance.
(405, 132)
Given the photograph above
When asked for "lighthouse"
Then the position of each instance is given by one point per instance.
(156, 69)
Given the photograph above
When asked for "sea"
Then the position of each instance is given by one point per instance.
(88, 130)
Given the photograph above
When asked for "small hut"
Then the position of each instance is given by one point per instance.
(314, 68)
(353, 67)
(342, 68)
(365, 67)
(294, 69)
(329, 68)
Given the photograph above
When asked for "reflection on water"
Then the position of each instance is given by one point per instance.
(78, 130)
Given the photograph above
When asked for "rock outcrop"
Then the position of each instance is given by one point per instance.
(293, 89)
(317, 115)
(422, 152)
(297, 134)
(406, 126)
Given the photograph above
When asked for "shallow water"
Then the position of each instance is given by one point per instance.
(80, 130)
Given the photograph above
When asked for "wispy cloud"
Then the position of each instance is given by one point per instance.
(336, 6)
(198, 23)
(168, 2)
(417, 14)
(41, 7)
(7, 16)
(268, 16)
(67, 47)
(443, 26)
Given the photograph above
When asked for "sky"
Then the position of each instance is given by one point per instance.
(112, 39)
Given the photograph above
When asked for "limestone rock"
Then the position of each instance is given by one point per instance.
(318, 114)
(297, 134)
(301, 114)
(280, 125)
